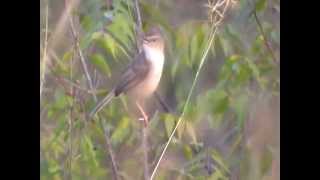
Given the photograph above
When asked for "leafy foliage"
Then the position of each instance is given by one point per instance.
(221, 136)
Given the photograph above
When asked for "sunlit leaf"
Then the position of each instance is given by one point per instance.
(169, 123)
(219, 100)
(187, 152)
(216, 156)
(101, 64)
(54, 167)
(191, 132)
(91, 154)
(67, 56)
(261, 5)
(240, 105)
(121, 131)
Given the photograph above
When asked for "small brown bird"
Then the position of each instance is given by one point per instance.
(141, 78)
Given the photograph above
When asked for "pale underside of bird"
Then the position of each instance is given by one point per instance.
(140, 79)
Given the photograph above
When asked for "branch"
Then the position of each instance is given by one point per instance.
(265, 40)
(139, 31)
(164, 105)
(145, 146)
(90, 84)
(109, 147)
(82, 59)
(73, 94)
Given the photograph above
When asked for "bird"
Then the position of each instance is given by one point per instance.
(142, 76)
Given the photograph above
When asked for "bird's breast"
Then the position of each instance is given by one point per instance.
(151, 81)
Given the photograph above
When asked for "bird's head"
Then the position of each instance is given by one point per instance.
(153, 39)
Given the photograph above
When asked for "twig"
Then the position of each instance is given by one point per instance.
(90, 84)
(72, 90)
(164, 105)
(145, 146)
(109, 147)
(64, 81)
(265, 40)
(82, 59)
(44, 58)
(139, 31)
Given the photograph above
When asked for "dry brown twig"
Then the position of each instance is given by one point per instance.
(265, 40)
(217, 10)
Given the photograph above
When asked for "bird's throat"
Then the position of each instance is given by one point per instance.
(155, 56)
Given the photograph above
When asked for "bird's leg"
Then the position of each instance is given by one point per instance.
(145, 116)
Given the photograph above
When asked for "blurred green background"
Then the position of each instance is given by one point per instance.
(231, 128)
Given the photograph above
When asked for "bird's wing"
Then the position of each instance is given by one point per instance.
(134, 74)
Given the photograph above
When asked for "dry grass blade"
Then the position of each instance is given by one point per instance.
(216, 18)
(187, 102)
(45, 56)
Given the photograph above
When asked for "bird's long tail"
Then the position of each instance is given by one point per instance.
(102, 104)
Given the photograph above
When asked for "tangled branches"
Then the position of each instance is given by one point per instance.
(217, 10)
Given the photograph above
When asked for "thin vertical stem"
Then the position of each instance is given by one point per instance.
(109, 148)
(72, 91)
(82, 59)
(265, 40)
(145, 148)
(91, 88)
(211, 37)
(44, 58)
(139, 31)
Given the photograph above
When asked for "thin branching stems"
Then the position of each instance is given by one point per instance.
(90, 85)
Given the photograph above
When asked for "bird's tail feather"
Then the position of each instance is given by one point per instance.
(102, 104)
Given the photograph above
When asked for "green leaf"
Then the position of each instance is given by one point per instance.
(187, 152)
(67, 56)
(61, 101)
(261, 5)
(216, 156)
(86, 22)
(90, 154)
(101, 64)
(54, 167)
(122, 28)
(109, 45)
(169, 123)
(240, 105)
(121, 131)
(191, 132)
(219, 100)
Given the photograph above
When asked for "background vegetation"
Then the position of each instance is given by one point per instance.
(231, 126)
